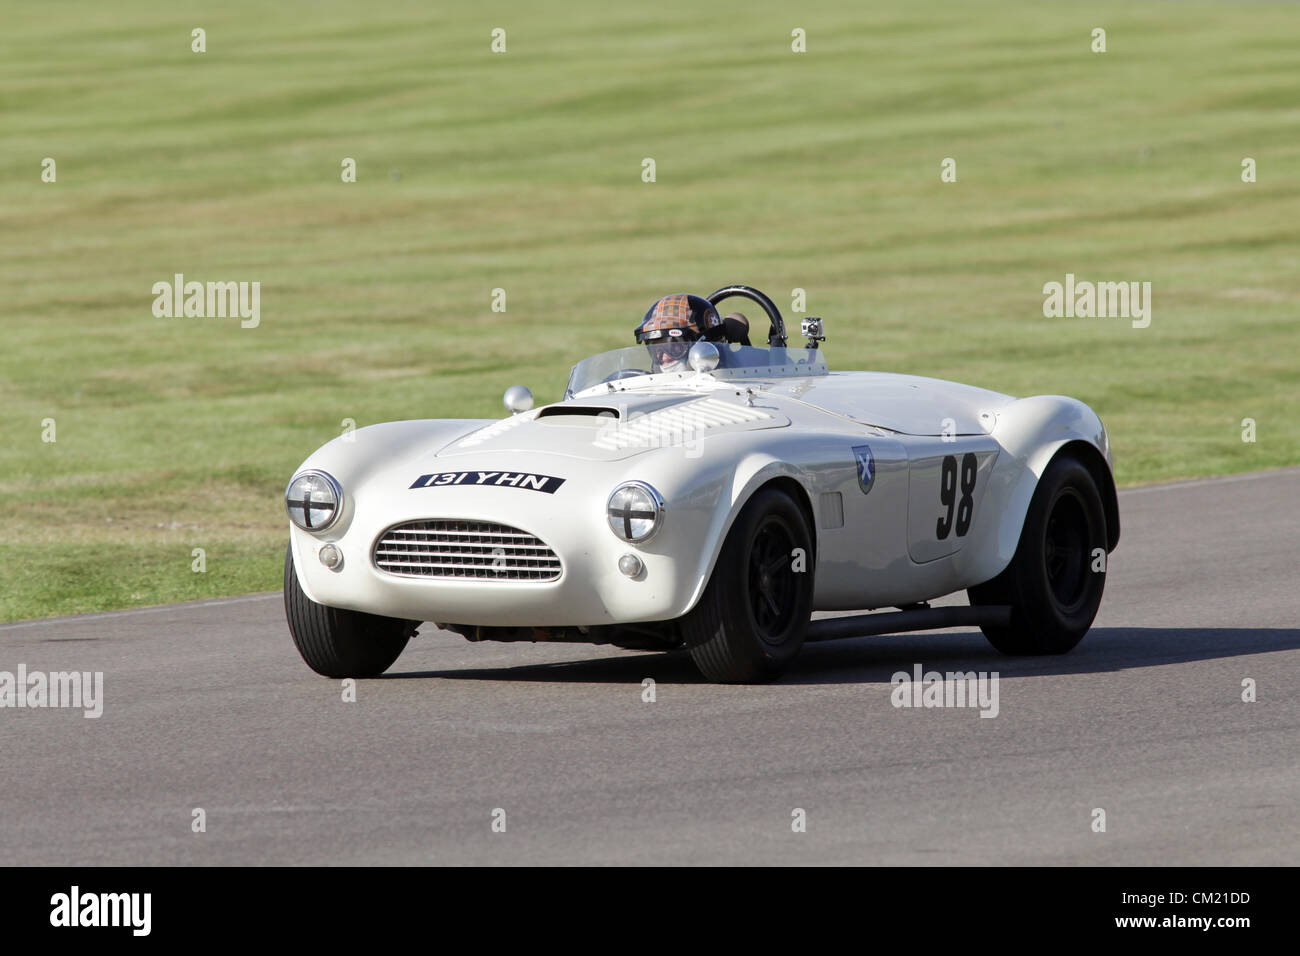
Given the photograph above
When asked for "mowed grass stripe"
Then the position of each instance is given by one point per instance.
(476, 171)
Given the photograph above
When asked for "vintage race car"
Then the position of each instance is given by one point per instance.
(713, 508)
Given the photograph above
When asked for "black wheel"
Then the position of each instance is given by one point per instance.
(1051, 584)
(751, 620)
(339, 643)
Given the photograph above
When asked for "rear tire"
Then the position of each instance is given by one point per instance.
(1050, 584)
(751, 620)
(339, 643)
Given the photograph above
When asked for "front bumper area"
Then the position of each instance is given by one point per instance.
(589, 591)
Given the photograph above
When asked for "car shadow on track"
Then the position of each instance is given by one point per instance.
(630, 667)
(868, 660)
(1103, 649)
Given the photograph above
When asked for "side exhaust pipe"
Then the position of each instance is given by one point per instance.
(918, 619)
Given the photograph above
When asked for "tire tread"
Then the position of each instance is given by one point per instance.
(339, 643)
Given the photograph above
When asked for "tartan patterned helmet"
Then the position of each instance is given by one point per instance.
(682, 318)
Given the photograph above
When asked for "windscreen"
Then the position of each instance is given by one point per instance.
(667, 364)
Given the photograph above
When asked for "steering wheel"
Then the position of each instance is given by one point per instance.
(776, 331)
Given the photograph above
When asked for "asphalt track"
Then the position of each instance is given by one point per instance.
(208, 706)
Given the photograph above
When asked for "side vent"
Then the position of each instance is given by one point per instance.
(832, 510)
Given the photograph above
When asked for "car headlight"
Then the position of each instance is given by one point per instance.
(634, 511)
(313, 500)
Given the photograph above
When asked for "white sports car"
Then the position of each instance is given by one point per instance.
(712, 507)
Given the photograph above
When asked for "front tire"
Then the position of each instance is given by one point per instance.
(339, 643)
(1051, 584)
(751, 620)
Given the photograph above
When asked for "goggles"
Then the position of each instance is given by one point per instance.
(675, 338)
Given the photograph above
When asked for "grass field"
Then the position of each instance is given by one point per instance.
(522, 171)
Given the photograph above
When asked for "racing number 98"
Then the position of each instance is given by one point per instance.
(965, 505)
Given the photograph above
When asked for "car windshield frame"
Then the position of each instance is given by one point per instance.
(633, 367)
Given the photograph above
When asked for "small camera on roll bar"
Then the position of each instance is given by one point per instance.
(812, 329)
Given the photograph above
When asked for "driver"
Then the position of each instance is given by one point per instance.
(672, 324)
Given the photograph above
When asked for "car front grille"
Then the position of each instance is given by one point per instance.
(465, 550)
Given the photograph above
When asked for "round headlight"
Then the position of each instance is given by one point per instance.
(313, 500)
(635, 511)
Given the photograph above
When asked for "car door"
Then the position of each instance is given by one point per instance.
(947, 476)
(860, 487)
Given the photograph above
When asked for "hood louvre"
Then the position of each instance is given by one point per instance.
(680, 422)
(607, 431)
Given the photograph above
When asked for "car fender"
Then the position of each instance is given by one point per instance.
(1031, 432)
(751, 473)
(352, 458)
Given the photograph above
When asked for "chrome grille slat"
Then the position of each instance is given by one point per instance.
(472, 534)
(465, 550)
(407, 557)
(456, 543)
(486, 564)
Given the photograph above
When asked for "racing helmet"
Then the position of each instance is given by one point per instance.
(672, 324)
